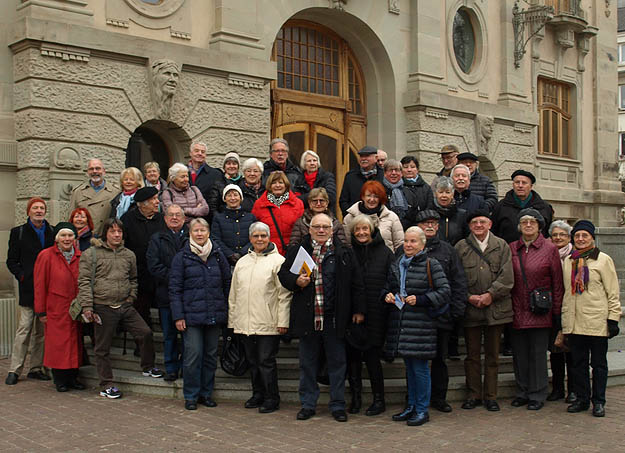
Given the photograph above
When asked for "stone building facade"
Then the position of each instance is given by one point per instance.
(81, 78)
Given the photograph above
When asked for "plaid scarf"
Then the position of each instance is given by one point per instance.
(319, 252)
(579, 270)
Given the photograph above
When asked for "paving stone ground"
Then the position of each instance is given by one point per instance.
(35, 417)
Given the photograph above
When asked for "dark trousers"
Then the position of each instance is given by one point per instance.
(583, 346)
(200, 361)
(64, 377)
(560, 361)
(143, 303)
(371, 357)
(261, 352)
(453, 337)
(473, 362)
(172, 348)
(439, 372)
(128, 318)
(529, 350)
(309, 352)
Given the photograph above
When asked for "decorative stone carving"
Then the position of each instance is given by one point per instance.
(484, 129)
(245, 82)
(165, 76)
(67, 158)
(118, 23)
(435, 113)
(338, 4)
(65, 53)
(173, 14)
(393, 6)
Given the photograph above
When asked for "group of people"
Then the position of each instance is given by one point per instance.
(410, 267)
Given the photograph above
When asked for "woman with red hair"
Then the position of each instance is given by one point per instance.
(373, 203)
(81, 219)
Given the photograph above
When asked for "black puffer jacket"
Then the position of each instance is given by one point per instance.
(352, 185)
(483, 186)
(468, 201)
(326, 180)
(293, 172)
(419, 197)
(162, 248)
(452, 226)
(448, 258)
(375, 260)
(411, 330)
(505, 224)
(250, 195)
(205, 180)
(230, 231)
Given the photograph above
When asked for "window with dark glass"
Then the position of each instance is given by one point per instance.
(554, 108)
(621, 153)
(153, 2)
(464, 40)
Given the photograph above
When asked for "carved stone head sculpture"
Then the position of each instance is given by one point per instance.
(165, 76)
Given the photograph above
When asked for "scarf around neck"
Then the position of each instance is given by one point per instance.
(319, 253)
(398, 201)
(579, 269)
(522, 203)
(311, 178)
(125, 200)
(277, 200)
(201, 250)
(365, 210)
(370, 173)
(404, 262)
(67, 255)
(565, 251)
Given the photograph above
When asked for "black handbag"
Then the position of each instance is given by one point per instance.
(233, 360)
(540, 298)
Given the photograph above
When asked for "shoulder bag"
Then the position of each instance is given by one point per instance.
(273, 217)
(540, 298)
(434, 313)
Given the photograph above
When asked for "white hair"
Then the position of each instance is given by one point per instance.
(259, 226)
(302, 161)
(194, 144)
(175, 170)
(419, 232)
(462, 166)
(562, 225)
(251, 162)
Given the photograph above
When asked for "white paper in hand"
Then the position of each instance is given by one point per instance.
(303, 264)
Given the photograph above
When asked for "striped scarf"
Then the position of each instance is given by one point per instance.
(319, 253)
(579, 270)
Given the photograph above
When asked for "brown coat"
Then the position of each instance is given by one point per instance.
(97, 203)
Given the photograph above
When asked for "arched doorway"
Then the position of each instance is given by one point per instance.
(318, 98)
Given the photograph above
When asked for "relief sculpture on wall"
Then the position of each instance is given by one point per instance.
(484, 131)
(165, 75)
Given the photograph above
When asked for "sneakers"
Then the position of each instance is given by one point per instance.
(153, 372)
(111, 392)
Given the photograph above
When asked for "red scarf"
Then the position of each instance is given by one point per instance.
(310, 178)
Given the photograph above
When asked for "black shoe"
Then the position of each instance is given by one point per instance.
(418, 419)
(137, 353)
(440, 405)
(535, 405)
(39, 375)
(77, 385)
(190, 405)
(578, 406)
(62, 388)
(518, 402)
(305, 414)
(11, 379)
(491, 405)
(507, 352)
(269, 407)
(408, 412)
(471, 403)
(356, 403)
(598, 410)
(340, 415)
(377, 407)
(170, 377)
(206, 402)
(556, 395)
(571, 398)
(254, 402)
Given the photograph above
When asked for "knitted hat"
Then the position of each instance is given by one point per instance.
(478, 213)
(63, 226)
(525, 173)
(532, 213)
(427, 214)
(231, 156)
(584, 225)
(33, 201)
(145, 193)
(230, 187)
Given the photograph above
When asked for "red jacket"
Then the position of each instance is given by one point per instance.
(543, 269)
(56, 284)
(286, 215)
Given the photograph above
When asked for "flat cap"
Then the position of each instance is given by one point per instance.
(366, 150)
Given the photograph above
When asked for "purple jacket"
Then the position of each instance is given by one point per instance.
(543, 269)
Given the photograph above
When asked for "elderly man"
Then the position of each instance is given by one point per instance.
(448, 258)
(139, 226)
(202, 175)
(324, 304)
(480, 184)
(279, 160)
(25, 243)
(449, 156)
(95, 195)
(487, 262)
(354, 179)
(465, 199)
(521, 196)
(382, 156)
(162, 248)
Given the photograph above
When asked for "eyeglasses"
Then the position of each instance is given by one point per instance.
(321, 227)
(479, 222)
(177, 215)
(429, 223)
(321, 201)
(559, 235)
(528, 222)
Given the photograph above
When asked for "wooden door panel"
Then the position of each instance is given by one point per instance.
(298, 113)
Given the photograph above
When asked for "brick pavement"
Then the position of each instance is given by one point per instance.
(34, 417)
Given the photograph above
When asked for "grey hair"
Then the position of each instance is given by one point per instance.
(251, 162)
(173, 206)
(149, 165)
(391, 163)
(321, 214)
(361, 219)
(527, 217)
(278, 140)
(302, 160)
(463, 166)
(175, 170)
(199, 220)
(259, 226)
(443, 183)
(419, 232)
(562, 225)
(198, 143)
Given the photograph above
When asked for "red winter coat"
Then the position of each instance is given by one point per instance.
(543, 269)
(56, 284)
(286, 215)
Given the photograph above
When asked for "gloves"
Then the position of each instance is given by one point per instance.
(613, 329)
(557, 322)
(232, 259)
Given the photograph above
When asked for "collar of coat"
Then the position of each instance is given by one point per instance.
(271, 249)
(493, 244)
(99, 243)
(536, 243)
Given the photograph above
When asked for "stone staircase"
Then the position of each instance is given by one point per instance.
(128, 377)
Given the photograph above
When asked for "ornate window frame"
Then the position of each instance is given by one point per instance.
(478, 21)
(166, 8)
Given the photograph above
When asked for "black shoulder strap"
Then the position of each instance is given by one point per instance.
(273, 217)
(429, 272)
(520, 255)
(478, 251)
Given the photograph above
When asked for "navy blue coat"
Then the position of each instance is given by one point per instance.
(162, 249)
(469, 201)
(198, 291)
(230, 230)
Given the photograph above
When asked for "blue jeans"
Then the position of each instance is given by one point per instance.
(309, 354)
(419, 386)
(172, 349)
(200, 361)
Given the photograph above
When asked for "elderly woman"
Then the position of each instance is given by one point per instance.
(130, 180)
(373, 201)
(317, 177)
(279, 208)
(318, 203)
(230, 175)
(560, 234)
(259, 309)
(590, 313)
(251, 184)
(536, 265)
(81, 219)
(199, 283)
(152, 172)
(419, 290)
(179, 192)
(230, 227)
(452, 225)
(56, 285)
(375, 260)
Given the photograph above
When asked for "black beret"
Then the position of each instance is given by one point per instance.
(477, 213)
(427, 214)
(467, 156)
(145, 193)
(365, 150)
(527, 174)
(64, 225)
